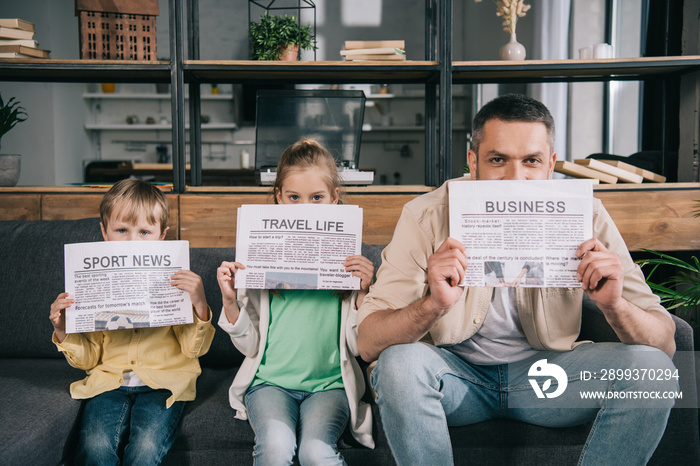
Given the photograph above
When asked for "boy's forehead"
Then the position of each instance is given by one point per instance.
(126, 214)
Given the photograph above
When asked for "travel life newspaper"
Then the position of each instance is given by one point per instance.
(297, 246)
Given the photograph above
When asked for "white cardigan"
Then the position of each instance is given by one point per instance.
(249, 335)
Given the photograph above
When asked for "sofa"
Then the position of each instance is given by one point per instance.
(39, 416)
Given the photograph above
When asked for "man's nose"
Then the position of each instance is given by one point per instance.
(516, 172)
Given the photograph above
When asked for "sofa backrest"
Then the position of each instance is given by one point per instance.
(32, 275)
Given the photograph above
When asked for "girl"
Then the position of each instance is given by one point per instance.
(300, 373)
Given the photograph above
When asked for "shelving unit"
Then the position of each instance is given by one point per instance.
(436, 72)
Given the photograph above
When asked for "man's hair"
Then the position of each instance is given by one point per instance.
(303, 154)
(512, 108)
(131, 198)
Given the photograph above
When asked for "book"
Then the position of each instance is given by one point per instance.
(646, 174)
(619, 173)
(21, 49)
(379, 57)
(16, 23)
(10, 33)
(579, 171)
(374, 44)
(25, 42)
(373, 51)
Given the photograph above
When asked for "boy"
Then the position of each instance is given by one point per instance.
(138, 379)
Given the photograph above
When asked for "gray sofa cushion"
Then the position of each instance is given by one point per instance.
(38, 414)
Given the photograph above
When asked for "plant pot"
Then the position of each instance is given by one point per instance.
(9, 169)
(289, 53)
(513, 50)
(108, 88)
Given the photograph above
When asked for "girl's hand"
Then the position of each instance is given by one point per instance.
(226, 276)
(361, 267)
(58, 315)
(190, 282)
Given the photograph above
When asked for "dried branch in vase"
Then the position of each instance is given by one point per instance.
(510, 11)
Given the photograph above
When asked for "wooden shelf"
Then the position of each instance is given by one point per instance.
(320, 72)
(83, 71)
(469, 72)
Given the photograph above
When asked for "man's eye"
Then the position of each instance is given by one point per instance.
(496, 159)
(533, 161)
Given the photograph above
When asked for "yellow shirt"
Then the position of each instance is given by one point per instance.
(162, 357)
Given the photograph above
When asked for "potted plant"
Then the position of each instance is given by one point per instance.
(279, 38)
(682, 290)
(11, 113)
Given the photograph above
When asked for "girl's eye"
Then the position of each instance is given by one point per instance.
(294, 197)
(317, 197)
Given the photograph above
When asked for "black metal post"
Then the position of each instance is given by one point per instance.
(177, 95)
(445, 129)
(195, 100)
(430, 120)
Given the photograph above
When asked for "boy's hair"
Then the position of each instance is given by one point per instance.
(135, 197)
(512, 108)
(303, 154)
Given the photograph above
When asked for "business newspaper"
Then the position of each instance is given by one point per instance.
(297, 246)
(125, 284)
(521, 233)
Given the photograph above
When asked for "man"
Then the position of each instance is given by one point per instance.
(464, 376)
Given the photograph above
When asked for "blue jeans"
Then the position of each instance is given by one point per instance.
(275, 413)
(424, 389)
(129, 419)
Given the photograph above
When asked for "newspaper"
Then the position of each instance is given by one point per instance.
(521, 233)
(125, 284)
(297, 246)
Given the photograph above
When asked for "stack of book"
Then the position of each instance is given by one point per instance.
(17, 40)
(374, 50)
(607, 171)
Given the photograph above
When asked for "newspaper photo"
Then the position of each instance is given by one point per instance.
(297, 246)
(125, 284)
(521, 233)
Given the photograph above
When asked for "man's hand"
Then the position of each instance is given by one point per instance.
(601, 275)
(446, 269)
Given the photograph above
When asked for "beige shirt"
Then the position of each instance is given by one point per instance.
(550, 317)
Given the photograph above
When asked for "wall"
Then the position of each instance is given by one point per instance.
(56, 146)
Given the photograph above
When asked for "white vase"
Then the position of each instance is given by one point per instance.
(9, 169)
(513, 50)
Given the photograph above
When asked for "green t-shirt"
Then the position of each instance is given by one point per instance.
(303, 342)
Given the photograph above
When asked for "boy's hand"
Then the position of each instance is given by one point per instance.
(361, 267)
(226, 277)
(58, 315)
(190, 282)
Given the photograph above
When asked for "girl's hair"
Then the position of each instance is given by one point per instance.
(131, 198)
(303, 154)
